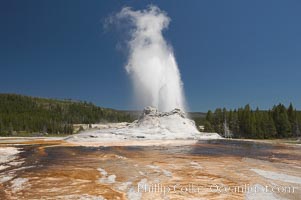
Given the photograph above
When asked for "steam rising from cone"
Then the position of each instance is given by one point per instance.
(151, 61)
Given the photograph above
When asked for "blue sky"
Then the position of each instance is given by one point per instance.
(230, 53)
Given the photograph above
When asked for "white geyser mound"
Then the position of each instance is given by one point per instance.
(151, 61)
(151, 125)
(174, 123)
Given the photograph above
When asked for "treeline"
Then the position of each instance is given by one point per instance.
(279, 122)
(29, 114)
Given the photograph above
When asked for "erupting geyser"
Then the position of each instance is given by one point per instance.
(151, 62)
(157, 82)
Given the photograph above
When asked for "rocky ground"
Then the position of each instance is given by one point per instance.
(152, 125)
(208, 169)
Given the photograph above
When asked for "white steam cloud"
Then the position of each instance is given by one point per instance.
(151, 62)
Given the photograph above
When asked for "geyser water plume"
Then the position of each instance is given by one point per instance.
(151, 62)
